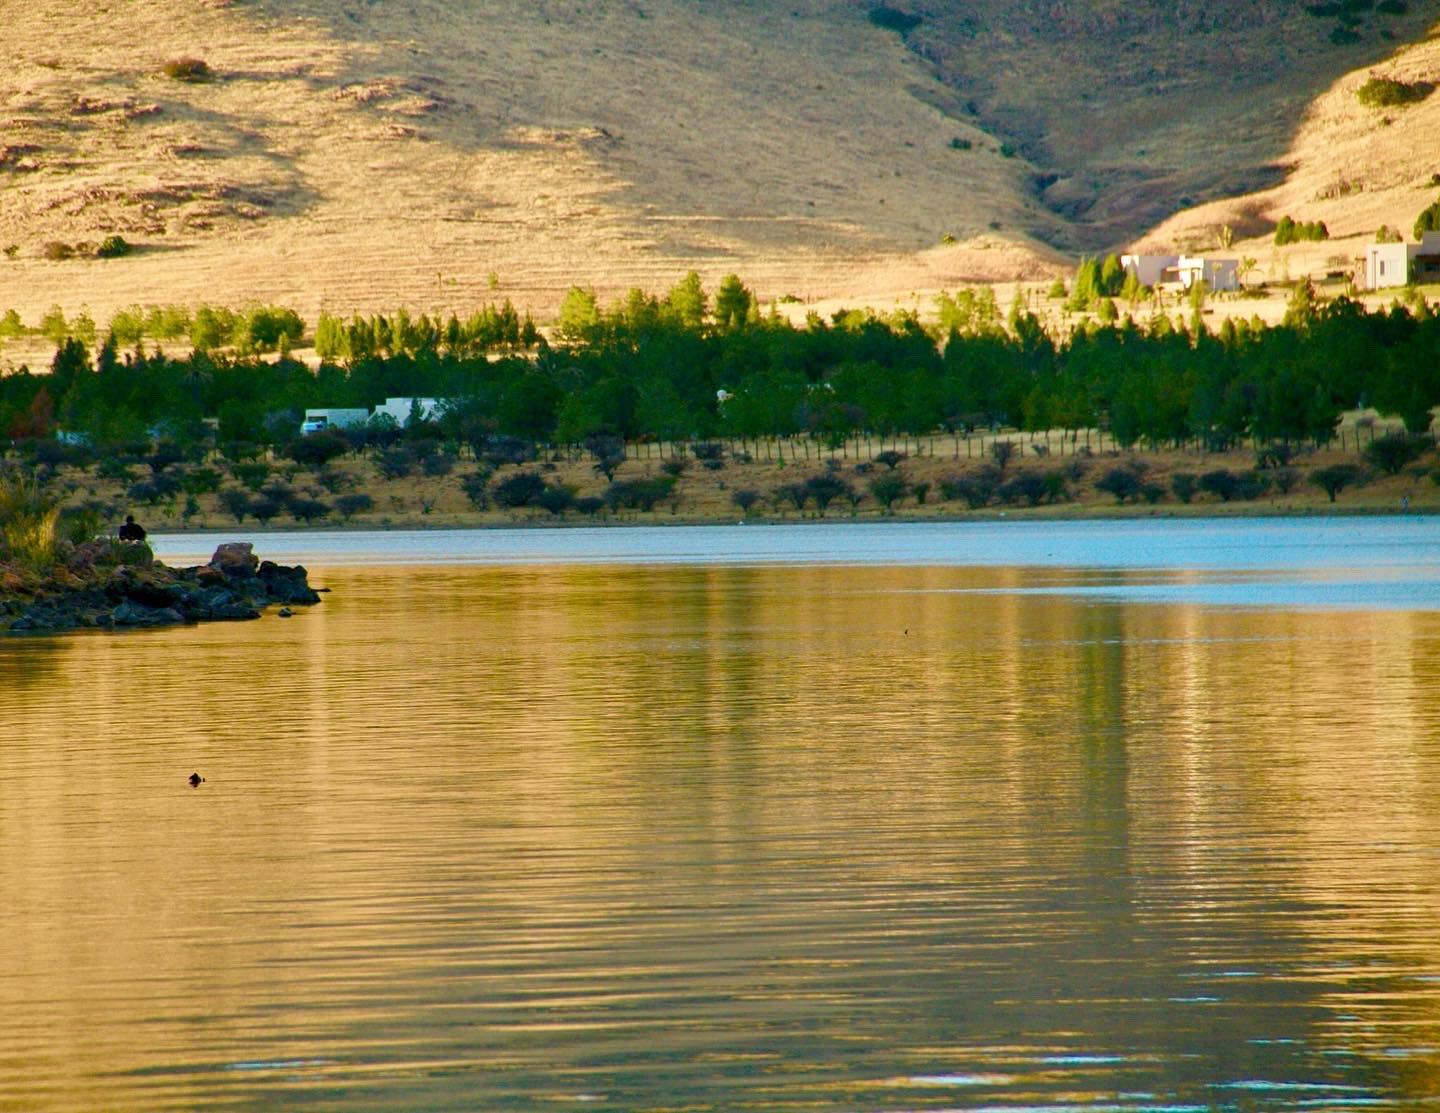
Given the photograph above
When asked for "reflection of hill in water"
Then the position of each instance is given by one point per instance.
(625, 824)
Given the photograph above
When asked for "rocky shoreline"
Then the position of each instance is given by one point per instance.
(105, 584)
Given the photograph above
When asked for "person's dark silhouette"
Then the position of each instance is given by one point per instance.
(132, 530)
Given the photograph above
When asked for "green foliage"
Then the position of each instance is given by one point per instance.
(889, 488)
(745, 498)
(28, 520)
(1335, 478)
(1288, 231)
(579, 314)
(519, 490)
(1386, 234)
(113, 247)
(1385, 92)
(1392, 452)
(11, 325)
(187, 69)
(734, 303)
(1428, 220)
(893, 19)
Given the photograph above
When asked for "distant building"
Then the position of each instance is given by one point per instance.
(1149, 270)
(1183, 271)
(401, 408)
(1395, 264)
(332, 418)
(1217, 274)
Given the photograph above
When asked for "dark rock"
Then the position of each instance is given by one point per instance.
(130, 613)
(235, 558)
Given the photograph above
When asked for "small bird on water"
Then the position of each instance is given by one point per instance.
(195, 779)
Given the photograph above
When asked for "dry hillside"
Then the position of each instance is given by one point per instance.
(356, 155)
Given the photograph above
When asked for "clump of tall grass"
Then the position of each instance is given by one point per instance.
(28, 519)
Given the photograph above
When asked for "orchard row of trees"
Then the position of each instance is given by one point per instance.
(673, 368)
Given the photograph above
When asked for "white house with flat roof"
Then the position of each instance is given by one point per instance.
(1217, 274)
(1395, 264)
(1149, 270)
(401, 408)
(332, 418)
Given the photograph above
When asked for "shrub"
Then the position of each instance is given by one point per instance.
(251, 474)
(350, 505)
(396, 463)
(1428, 220)
(438, 464)
(1026, 487)
(476, 486)
(499, 449)
(307, 509)
(590, 505)
(519, 490)
(57, 252)
(235, 501)
(556, 499)
(113, 247)
(889, 488)
(745, 498)
(187, 69)
(676, 467)
(1385, 92)
(825, 489)
(1392, 452)
(977, 488)
(317, 449)
(1335, 478)
(1123, 483)
(264, 509)
(28, 520)
(640, 494)
(890, 458)
(1289, 231)
(707, 450)
(1221, 482)
(1183, 486)
(893, 19)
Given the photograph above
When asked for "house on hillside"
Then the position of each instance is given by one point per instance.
(1217, 274)
(1395, 264)
(1149, 270)
(1183, 271)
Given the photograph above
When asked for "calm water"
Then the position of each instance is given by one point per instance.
(1122, 816)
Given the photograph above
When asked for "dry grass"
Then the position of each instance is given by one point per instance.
(362, 157)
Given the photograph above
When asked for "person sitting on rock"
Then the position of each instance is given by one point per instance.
(132, 530)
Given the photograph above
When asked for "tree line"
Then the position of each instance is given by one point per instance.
(686, 366)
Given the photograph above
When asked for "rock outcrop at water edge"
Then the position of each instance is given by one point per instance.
(106, 585)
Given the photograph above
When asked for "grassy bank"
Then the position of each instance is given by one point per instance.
(420, 486)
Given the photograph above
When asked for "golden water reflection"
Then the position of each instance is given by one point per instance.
(710, 837)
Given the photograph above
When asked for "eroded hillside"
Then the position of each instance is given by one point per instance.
(352, 154)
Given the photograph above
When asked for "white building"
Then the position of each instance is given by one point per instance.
(401, 408)
(1217, 274)
(332, 418)
(1391, 264)
(1149, 270)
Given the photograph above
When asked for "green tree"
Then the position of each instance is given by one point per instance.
(733, 303)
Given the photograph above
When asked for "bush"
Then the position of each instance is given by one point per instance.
(1289, 231)
(396, 463)
(977, 489)
(893, 19)
(1428, 220)
(57, 252)
(556, 499)
(317, 449)
(590, 505)
(476, 486)
(890, 458)
(187, 69)
(1384, 92)
(638, 494)
(113, 247)
(745, 498)
(1391, 453)
(306, 509)
(1221, 482)
(1027, 487)
(1335, 478)
(1183, 486)
(519, 490)
(28, 521)
(1123, 483)
(707, 450)
(350, 505)
(264, 509)
(235, 501)
(889, 489)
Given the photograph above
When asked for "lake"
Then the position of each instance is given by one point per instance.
(1013, 816)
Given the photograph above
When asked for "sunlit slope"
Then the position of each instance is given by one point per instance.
(358, 154)
(352, 154)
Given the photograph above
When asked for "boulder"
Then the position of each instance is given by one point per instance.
(130, 613)
(235, 558)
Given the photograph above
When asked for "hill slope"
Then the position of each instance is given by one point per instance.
(350, 154)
